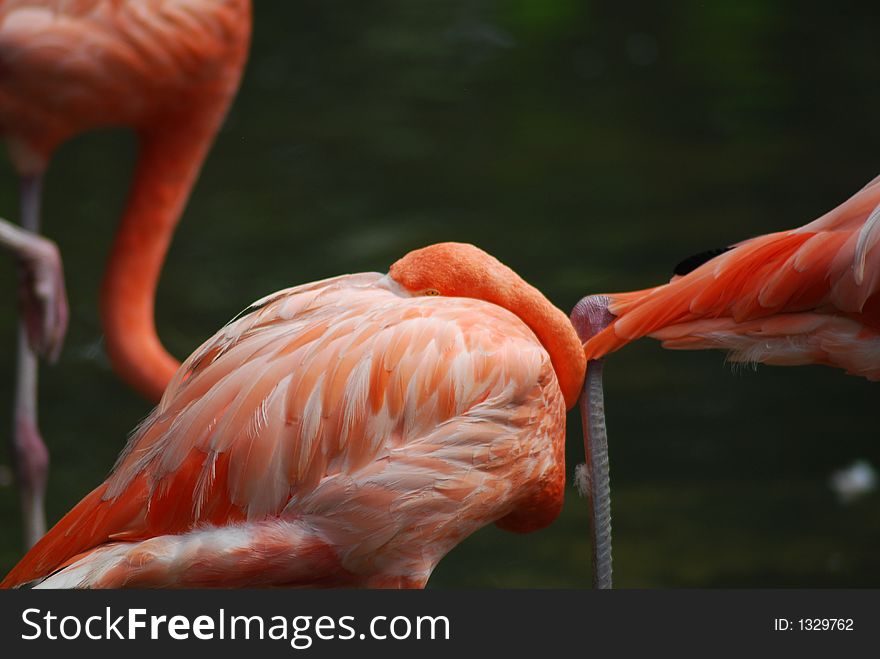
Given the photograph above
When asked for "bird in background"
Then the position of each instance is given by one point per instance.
(348, 432)
(169, 69)
(806, 296)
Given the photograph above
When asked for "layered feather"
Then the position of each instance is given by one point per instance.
(67, 66)
(811, 295)
(346, 414)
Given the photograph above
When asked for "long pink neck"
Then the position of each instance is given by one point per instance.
(173, 145)
(556, 334)
(171, 155)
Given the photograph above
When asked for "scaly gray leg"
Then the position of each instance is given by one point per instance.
(589, 317)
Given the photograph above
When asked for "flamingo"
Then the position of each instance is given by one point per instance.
(806, 296)
(167, 68)
(348, 432)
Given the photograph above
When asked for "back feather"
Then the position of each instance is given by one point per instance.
(830, 267)
(311, 388)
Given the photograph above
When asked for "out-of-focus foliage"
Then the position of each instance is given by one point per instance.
(591, 146)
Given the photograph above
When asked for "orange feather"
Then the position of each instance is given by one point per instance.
(810, 295)
(348, 432)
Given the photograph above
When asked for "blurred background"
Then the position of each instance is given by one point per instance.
(590, 146)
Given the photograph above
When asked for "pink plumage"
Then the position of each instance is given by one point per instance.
(346, 432)
(806, 296)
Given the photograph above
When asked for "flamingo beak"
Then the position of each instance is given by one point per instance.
(589, 317)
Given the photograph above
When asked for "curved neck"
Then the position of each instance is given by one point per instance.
(556, 334)
(171, 154)
(173, 145)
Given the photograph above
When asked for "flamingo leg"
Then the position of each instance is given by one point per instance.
(29, 453)
(589, 317)
(41, 330)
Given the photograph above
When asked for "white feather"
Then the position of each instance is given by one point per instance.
(868, 236)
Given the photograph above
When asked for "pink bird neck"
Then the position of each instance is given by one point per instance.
(174, 142)
(556, 334)
(171, 155)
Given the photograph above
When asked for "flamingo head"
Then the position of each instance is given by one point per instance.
(461, 270)
(455, 270)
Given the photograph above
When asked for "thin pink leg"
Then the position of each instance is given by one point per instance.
(41, 328)
(30, 455)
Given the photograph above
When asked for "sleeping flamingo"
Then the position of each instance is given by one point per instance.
(806, 296)
(167, 68)
(348, 432)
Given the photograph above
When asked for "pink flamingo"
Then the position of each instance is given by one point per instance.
(348, 432)
(167, 68)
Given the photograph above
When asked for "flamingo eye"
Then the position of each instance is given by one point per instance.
(432, 291)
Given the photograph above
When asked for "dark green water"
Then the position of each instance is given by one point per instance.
(588, 145)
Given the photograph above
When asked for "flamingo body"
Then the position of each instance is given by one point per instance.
(348, 432)
(806, 296)
(70, 66)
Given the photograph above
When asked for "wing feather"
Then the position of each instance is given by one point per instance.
(346, 387)
(126, 57)
(829, 266)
